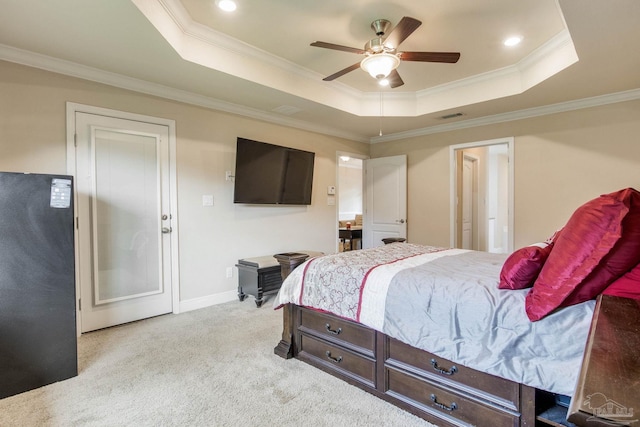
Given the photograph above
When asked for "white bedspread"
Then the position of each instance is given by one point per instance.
(447, 302)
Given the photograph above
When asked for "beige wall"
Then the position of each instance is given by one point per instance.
(33, 139)
(561, 161)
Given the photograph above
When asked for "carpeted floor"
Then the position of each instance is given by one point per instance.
(209, 367)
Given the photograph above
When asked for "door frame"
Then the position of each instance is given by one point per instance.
(453, 186)
(71, 109)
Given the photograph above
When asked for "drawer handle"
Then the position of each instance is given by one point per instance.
(333, 359)
(451, 371)
(332, 331)
(453, 406)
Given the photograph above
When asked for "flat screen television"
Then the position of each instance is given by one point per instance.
(272, 174)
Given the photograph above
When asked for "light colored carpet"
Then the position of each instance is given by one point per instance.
(209, 367)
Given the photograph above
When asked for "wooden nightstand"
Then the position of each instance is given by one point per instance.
(258, 276)
(261, 276)
(608, 389)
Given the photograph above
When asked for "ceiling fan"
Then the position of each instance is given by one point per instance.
(381, 53)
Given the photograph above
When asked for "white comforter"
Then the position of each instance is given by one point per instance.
(447, 302)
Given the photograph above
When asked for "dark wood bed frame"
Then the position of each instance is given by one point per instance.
(449, 394)
(435, 389)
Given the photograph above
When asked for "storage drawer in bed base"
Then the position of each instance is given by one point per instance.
(445, 403)
(423, 364)
(403, 375)
(335, 358)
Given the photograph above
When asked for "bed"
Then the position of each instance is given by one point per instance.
(430, 329)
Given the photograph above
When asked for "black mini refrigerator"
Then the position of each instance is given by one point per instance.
(38, 344)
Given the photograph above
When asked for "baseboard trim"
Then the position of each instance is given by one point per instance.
(208, 301)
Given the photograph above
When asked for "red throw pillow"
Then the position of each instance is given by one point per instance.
(600, 243)
(627, 286)
(622, 257)
(522, 267)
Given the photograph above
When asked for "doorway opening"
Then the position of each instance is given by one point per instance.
(350, 200)
(482, 195)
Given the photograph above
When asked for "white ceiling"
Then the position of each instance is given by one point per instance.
(258, 61)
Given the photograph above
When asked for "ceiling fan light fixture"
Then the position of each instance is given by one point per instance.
(380, 65)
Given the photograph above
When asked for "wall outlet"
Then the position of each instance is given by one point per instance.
(229, 272)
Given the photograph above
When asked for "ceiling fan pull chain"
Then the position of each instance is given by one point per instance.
(380, 118)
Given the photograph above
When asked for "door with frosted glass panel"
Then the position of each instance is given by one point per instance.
(124, 220)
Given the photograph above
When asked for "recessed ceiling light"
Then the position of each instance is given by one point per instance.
(513, 41)
(226, 5)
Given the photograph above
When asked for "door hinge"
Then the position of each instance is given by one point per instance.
(77, 223)
(79, 304)
(75, 139)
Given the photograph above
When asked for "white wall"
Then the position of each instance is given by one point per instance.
(33, 139)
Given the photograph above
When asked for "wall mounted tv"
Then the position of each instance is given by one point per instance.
(271, 174)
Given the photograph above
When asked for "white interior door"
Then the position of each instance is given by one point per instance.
(124, 220)
(386, 200)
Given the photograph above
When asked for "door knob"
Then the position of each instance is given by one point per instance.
(166, 230)
(401, 221)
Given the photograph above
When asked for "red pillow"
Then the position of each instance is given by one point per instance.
(622, 257)
(590, 253)
(627, 286)
(522, 267)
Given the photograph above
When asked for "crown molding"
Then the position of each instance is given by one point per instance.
(596, 101)
(205, 46)
(84, 72)
(73, 69)
(198, 31)
(199, 44)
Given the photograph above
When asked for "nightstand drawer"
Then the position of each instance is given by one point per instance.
(334, 357)
(485, 386)
(341, 331)
(444, 403)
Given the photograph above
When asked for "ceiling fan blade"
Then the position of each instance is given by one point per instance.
(338, 47)
(405, 27)
(394, 79)
(342, 72)
(449, 57)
